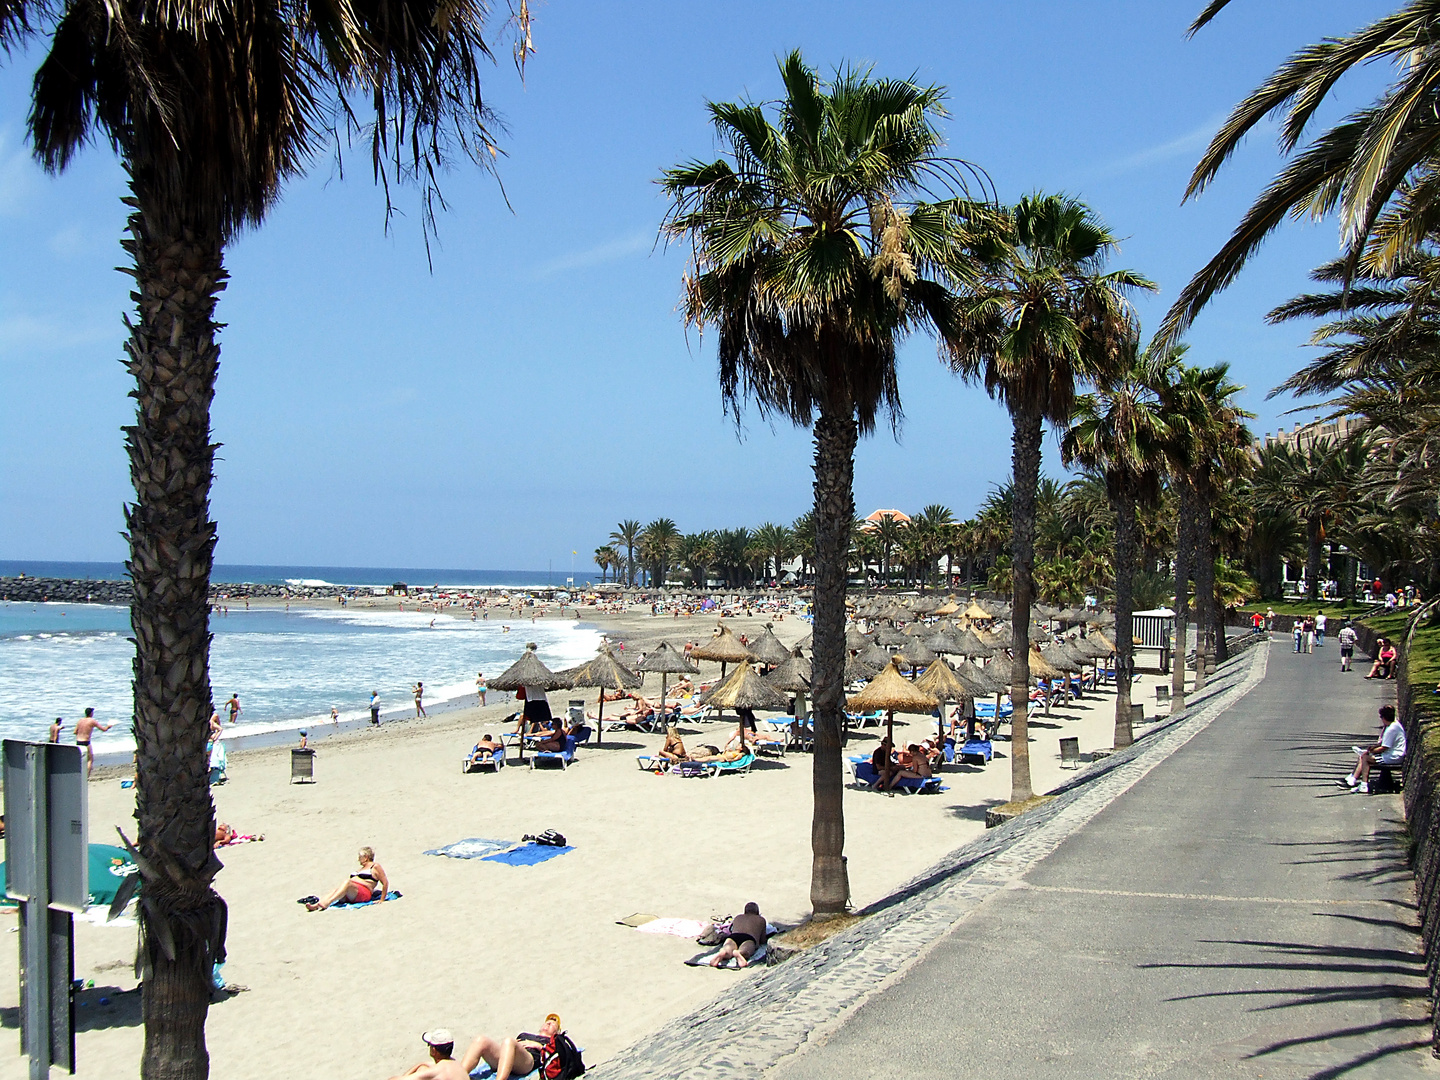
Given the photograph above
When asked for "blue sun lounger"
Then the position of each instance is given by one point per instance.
(495, 762)
(565, 757)
(867, 775)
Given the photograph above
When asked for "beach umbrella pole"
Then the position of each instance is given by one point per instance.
(600, 719)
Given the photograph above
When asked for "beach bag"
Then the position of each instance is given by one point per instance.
(560, 1060)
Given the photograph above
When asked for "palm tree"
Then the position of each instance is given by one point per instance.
(627, 535)
(606, 557)
(696, 552)
(211, 108)
(802, 529)
(812, 257)
(1378, 167)
(657, 545)
(937, 526)
(890, 533)
(1207, 439)
(1043, 320)
(778, 544)
(1118, 432)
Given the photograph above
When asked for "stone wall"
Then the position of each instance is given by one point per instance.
(79, 591)
(1422, 778)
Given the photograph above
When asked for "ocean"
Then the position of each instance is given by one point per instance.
(289, 668)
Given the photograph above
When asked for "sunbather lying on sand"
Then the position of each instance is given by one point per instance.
(746, 934)
(366, 884)
(513, 1057)
(484, 750)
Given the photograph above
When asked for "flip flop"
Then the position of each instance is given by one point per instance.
(308, 900)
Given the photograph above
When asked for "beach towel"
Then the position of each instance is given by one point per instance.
(528, 855)
(390, 897)
(638, 919)
(473, 848)
(703, 959)
(679, 927)
(235, 841)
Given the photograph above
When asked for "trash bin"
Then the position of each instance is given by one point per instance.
(302, 766)
(1137, 714)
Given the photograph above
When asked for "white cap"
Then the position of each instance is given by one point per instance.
(439, 1037)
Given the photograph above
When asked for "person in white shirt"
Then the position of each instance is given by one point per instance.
(1390, 750)
(1346, 637)
(1320, 628)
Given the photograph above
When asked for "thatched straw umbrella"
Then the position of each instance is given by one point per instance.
(949, 607)
(1064, 658)
(854, 639)
(667, 660)
(894, 693)
(1102, 618)
(978, 613)
(888, 635)
(940, 679)
(793, 677)
(874, 655)
(858, 670)
(724, 647)
(915, 653)
(943, 641)
(999, 637)
(604, 672)
(745, 690)
(972, 646)
(768, 648)
(1041, 668)
(529, 673)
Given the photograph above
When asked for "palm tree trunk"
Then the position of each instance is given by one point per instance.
(1313, 544)
(1184, 539)
(835, 435)
(1025, 461)
(1126, 530)
(1204, 581)
(173, 358)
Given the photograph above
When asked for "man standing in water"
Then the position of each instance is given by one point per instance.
(55, 729)
(84, 728)
(233, 705)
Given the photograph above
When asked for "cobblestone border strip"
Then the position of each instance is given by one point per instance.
(778, 1012)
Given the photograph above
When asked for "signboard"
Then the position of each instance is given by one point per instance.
(57, 783)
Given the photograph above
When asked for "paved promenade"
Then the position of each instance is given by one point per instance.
(1232, 913)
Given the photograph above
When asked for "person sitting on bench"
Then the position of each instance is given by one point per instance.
(1388, 752)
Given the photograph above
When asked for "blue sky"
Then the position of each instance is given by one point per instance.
(538, 385)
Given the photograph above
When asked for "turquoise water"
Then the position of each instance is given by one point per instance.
(289, 668)
(319, 575)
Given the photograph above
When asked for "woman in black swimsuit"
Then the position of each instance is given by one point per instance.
(366, 884)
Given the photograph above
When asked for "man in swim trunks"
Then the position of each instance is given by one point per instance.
(233, 706)
(55, 729)
(441, 1065)
(746, 934)
(84, 728)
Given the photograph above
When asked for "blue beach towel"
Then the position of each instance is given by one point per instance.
(390, 897)
(528, 855)
(473, 848)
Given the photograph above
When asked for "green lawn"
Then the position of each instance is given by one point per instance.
(1424, 674)
(1333, 608)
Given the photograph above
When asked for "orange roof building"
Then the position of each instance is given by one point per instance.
(879, 515)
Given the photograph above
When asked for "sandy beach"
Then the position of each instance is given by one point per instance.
(479, 946)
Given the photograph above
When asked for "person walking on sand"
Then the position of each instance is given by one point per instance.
(233, 705)
(480, 687)
(84, 728)
(375, 707)
(419, 692)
